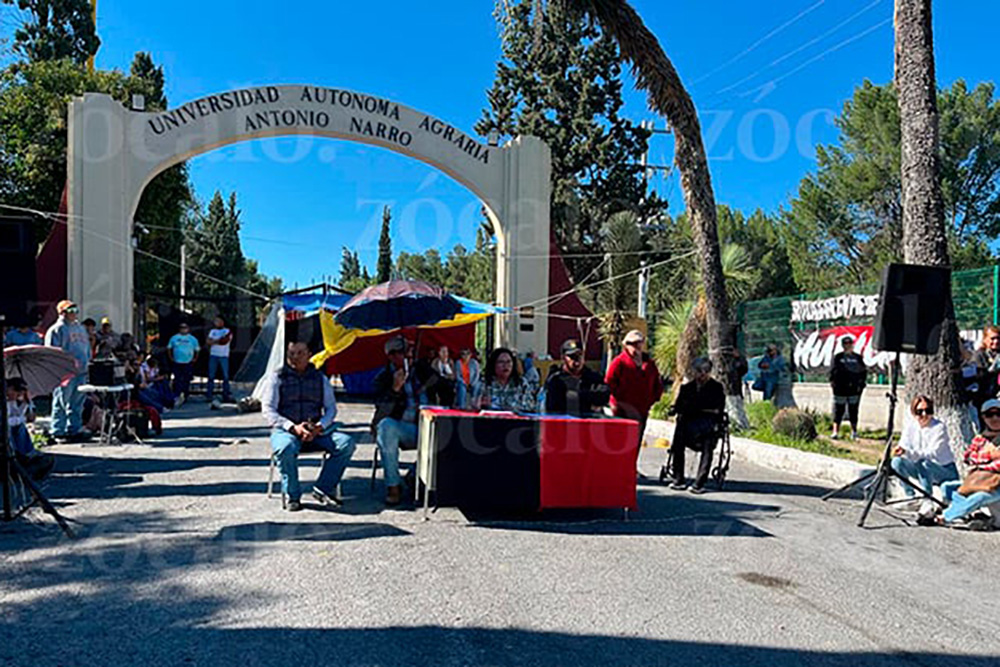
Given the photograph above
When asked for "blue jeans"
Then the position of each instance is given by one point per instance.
(389, 434)
(20, 440)
(286, 449)
(67, 407)
(215, 364)
(927, 473)
(182, 378)
(461, 395)
(964, 505)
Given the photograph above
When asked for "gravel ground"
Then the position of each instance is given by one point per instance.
(182, 560)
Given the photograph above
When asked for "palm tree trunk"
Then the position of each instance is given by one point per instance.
(655, 74)
(924, 236)
(691, 342)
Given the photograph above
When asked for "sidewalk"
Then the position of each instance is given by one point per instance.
(826, 469)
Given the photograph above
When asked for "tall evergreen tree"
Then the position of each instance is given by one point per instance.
(165, 201)
(569, 94)
(383, 269)
(217, 254)
(56, 29)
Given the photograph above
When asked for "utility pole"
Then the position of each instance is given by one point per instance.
(183, 276)
(643, 289)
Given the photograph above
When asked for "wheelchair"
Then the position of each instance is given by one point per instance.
(723, 449)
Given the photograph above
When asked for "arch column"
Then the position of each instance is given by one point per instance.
(523, 252)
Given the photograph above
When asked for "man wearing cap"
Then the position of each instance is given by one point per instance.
(299, 406)
(574, 389)
(67, 402)
(107, 339)
(635, 382)
(395, 420)
(183, 349)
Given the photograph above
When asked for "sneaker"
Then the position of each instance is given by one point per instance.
(697, 490)
(325, 498)
(216, 404)
(678, 486)
(835, 436)
(294, 506)
(179, 401)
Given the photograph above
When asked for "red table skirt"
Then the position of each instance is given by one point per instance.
(588, 462)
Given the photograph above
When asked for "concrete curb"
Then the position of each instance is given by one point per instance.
(827, 469)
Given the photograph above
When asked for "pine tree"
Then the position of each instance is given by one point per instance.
(56, 29)
(569, 94)
(216, 252)
(383, 269)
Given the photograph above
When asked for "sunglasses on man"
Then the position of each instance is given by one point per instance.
(990, 414)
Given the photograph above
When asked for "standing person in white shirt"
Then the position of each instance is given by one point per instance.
(924, 452)
(218, 342)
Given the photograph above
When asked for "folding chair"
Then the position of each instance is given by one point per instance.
(271, 481)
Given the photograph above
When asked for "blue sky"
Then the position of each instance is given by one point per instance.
(440, 57)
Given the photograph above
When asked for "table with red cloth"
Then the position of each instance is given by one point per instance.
(505, 461)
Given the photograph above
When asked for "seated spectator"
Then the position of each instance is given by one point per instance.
(530, 369)
(91, 327)
(467, 373)
(981, 486)
(20, 413)
(300, 408)
(700, 406)
(502, 387)
(574, 389)
(22, 336)
(151, 380)
(924, 453)
(443, 391)
(395, 419)
(107, 340)
(127, 352)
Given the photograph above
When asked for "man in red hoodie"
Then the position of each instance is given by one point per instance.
(635, 382)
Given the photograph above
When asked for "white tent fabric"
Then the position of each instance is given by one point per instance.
(277, 357)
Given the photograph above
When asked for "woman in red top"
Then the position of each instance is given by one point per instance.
(635, 382)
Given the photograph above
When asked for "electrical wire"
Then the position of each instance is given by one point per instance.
(802, 47)
(747, 51)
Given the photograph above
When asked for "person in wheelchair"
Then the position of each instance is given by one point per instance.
(700, 408)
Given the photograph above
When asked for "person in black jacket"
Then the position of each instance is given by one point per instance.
(395, 419)
(848, 376)
(700, 406)
(574, 389)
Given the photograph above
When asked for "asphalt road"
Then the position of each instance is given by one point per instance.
(182, 560)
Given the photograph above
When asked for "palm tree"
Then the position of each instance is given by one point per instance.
(655, 74)
(741, 278)
(668, 335)
(622, 241)
(924, 234)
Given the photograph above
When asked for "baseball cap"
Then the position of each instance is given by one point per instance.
(992, 403)
(569, 347)
(634, 336)
(397, 344)
(105, 320)
(64, 305)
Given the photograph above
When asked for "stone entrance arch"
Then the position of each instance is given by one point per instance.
(115, 152)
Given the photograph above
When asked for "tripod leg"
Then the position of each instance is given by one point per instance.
(40, 497)
(849, 485)
(878, 486)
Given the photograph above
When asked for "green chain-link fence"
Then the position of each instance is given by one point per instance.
(975, 293)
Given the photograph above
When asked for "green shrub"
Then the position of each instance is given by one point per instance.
(661, 407)
(760, 414)
(795, 424)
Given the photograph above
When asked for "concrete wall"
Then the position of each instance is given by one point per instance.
(818, 396)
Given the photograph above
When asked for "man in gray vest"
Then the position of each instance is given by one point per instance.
(299, 406)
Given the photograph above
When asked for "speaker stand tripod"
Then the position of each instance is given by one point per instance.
(11, 470)
(879, 486)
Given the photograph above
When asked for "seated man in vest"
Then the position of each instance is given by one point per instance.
(395, 420)
(299, 406)
(574, 389)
